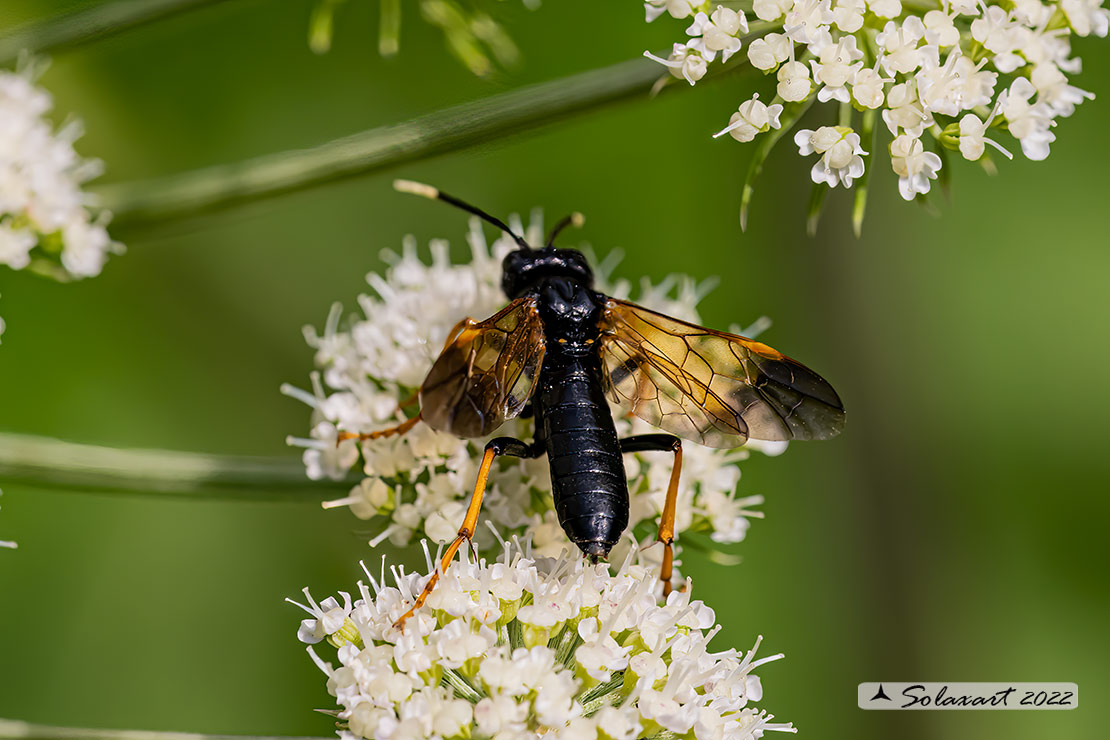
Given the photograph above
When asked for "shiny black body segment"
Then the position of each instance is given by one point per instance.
(574, 425)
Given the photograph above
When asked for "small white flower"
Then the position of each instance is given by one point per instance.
(1054, 91)
(973, 136)
(899, 43)
(794, 83)
(806, 19)
(867, 90)
(328, 617)
(904, 112)
(771, 10)
(915, 167)
(16, 246)
(676, 8)
(835, 67)
(885, 8)
(770, 51)
(1029, 123)
(1087, 16)
(840, 151)
(685, 62)
(753, 118)
(719, 31)
(995, 30)
(848, 15)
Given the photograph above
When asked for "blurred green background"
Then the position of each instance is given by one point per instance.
(954, 532)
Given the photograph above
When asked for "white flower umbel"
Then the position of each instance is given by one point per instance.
(529, 647)
(926, 68)
(46, 223)
(418, 485)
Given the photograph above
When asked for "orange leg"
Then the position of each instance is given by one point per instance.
(499, 446)
(666, 523)
(663, 442)
(401, 428)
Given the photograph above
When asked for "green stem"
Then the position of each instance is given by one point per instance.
(77, 27)
(448, 130)
(52, 463)
(16, 730)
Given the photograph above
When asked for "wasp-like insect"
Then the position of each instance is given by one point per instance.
(563, 351)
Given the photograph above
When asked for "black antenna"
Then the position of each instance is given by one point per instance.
(427, 191)
(575, 219)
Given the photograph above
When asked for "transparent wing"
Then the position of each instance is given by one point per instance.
(714, 388)
(486, 375)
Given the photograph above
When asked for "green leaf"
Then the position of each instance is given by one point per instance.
(74, 28)
(791, 113)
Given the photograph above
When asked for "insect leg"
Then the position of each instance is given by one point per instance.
(662, 443)
(495, 447)
(401, 428)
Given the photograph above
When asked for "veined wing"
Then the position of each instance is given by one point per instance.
(711, 387)
(485, 375)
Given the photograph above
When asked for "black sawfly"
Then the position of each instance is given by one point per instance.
(562, 351)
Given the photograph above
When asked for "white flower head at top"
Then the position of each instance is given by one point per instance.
(840, 151)
(417, 485)
(529, 647)
(46, 220)
(923, 69)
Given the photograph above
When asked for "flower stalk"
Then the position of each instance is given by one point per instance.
(378, 149)
(16, 730)
(53, 463)
(71, 29)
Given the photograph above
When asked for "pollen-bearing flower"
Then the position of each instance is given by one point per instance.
(418, 485)
(46, 222)
(529, 647)
(944, 73)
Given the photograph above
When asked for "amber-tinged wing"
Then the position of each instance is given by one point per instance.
(486, 374)
(714, 388)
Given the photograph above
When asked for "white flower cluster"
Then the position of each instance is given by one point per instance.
(45, 222)
(532, 647)
(954, 70)
(419, 484)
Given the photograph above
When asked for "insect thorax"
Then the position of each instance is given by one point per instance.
(570, 313)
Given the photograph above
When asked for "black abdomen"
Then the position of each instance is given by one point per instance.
(587, 471)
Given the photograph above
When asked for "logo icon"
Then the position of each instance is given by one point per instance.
(880, 694)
